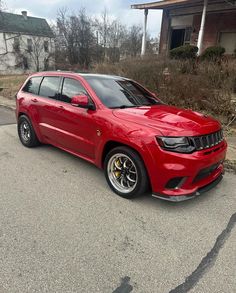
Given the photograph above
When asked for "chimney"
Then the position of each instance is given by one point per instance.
(24, 13)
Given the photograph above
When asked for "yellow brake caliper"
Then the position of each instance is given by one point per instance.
(117, 172)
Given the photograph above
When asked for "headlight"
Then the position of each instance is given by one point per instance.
(176, 144)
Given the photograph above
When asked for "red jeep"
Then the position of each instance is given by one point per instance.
(121, 127)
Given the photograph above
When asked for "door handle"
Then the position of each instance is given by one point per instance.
(61, 107)
(34, 100)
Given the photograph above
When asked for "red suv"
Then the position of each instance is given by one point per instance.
(121, 127)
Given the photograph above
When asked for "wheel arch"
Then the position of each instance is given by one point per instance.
(34, 124)
(23, 114)
(111, 144)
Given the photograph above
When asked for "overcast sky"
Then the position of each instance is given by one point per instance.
(119, 9)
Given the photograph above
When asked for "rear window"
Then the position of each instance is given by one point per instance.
(32, 86)
(49, 87)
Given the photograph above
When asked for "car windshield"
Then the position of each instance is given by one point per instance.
(120, 93)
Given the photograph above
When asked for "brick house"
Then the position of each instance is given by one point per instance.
(203, 23)
(26, 44)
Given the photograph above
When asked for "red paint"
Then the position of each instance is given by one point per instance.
(80, 101)
(76, 130)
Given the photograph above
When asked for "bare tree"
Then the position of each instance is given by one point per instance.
(76, 36)
(133, 41)
(82, 40)
(111, 36)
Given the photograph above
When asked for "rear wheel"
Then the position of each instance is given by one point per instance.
(26, 132)
(125, 172)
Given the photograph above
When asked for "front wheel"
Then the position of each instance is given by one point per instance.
(125, 172)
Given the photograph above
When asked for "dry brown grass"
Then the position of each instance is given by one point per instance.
(201, 86)
(11, 84)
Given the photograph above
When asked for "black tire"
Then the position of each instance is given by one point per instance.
(29, 138)
(142, 180)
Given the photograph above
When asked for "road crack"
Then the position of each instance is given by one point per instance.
(208, 261)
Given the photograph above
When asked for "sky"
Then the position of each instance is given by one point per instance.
(119, 9)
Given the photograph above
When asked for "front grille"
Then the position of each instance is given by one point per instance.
(207, 141)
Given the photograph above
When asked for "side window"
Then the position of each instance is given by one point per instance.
(32, 85)
(49, 87)
(71, 88)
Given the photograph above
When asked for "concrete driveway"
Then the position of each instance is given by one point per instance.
(63, 230)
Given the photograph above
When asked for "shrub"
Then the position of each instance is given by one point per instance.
(213, 53)
(184, 52)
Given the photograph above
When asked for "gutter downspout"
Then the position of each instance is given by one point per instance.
(144, 39)
(202, 28)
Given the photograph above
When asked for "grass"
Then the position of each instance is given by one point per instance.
(11, 84)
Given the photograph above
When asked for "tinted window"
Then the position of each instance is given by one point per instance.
(116, 93)
(32, 85)
(49, 87)
(71, 88)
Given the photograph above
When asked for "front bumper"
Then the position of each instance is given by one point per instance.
(190, 196)
(191, 167)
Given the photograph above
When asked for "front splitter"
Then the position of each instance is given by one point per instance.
(200, 191)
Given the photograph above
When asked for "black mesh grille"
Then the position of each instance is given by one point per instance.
(207, 141)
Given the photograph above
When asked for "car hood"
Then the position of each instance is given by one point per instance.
(169, 120)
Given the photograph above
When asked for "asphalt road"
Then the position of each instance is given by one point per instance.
(63, 230)
(7, 116)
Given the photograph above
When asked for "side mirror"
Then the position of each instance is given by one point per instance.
(81, 101)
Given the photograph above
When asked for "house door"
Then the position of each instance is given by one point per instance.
(177, 38)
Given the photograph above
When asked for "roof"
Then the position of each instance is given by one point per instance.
(15, 23)
(161, 4)
(103, 76)
(82, 74)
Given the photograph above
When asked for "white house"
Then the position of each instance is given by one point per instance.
(26, 44)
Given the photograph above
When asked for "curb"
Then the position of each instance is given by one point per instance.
(230, 166)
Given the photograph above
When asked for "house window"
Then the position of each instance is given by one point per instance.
(16, 44)
(187, 36)
(25, 63)
(46, 46)
(228, 41)
(29, 45)
(180, 37)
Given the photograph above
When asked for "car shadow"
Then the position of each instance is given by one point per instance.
(145, 199)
